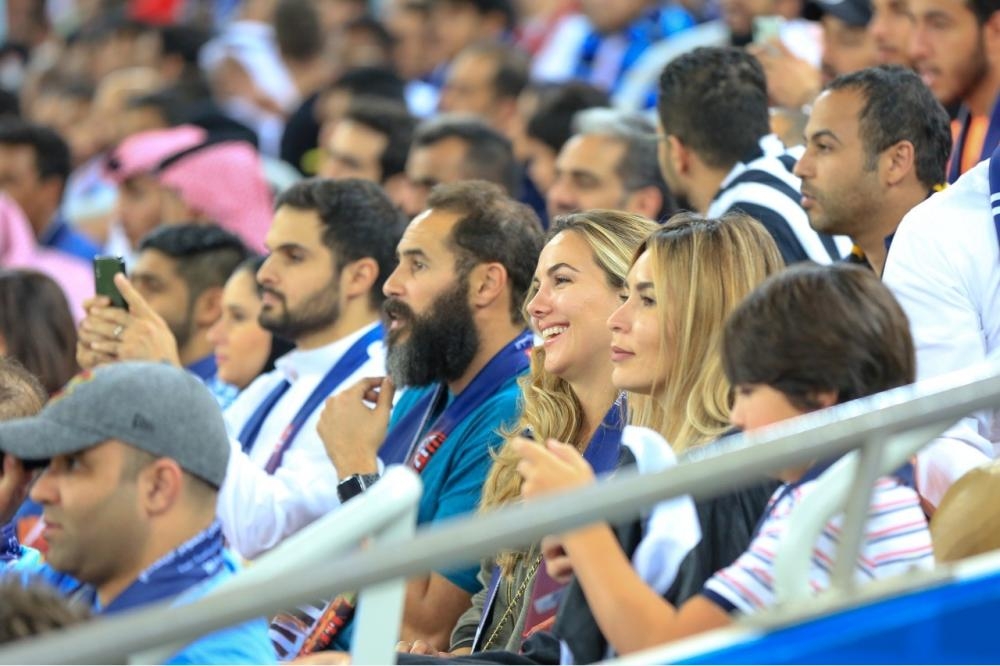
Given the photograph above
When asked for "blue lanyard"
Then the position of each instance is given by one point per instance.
(404, 443)
(602, 454)
(990, 143)
(347, 365)
(184, 567)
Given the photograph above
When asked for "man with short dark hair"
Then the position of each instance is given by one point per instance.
(34, 167)
(448, 149)
(610, 162)
(551, 125)
(717, 151)
(457, 338)
(137, 452)
(372, 142)
(955, 46)
(331, 249)
(485, 80)
(877, 144)
(180, 272)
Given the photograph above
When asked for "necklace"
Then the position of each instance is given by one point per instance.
(509, 611)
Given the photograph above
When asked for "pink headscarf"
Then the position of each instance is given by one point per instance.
(142, 152)
(18, 249)
(225, 182)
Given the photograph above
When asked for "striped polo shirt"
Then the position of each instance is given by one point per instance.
(896, 540)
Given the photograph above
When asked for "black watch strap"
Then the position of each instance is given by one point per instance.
(354, 485)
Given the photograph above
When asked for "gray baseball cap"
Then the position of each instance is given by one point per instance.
(154, 407)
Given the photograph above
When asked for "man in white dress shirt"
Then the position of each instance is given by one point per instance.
(332, 245)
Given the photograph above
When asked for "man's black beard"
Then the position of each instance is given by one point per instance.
(440, 345)
(319, 311)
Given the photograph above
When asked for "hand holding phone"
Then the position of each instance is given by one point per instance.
(105, 269)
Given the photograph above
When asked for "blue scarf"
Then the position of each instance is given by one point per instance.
(347, 365)
(194, 561)
(404, 444)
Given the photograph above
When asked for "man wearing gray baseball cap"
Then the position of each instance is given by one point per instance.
(136, 454)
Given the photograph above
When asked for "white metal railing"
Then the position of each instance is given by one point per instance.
(710, 471)
(388, 516)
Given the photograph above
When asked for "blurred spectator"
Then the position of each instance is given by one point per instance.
(877, 145)
(366, 43)
(550, 32)
(221, 182)
(243, 348)
(952, 45)
(18, 249)
(89, 192)
(34, 167)
(485, 80)
(36, 327)
(409, 25)
(299, 37)
(132, 166)
(448, 149)
(550, 126)
(325, 108)
(371, 142)
(891, 26)
(621, 32)
(457, 24)
(610, 162)
(720, 165)
(29, 610)
(180, 273)
(848, 45)
(248, 77)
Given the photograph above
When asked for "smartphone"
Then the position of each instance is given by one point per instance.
(105, 269)
(767, 28)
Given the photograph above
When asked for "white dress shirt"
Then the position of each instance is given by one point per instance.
(257, 509)
(944, 268)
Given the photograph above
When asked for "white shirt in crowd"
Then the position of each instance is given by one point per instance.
(258, 510)
(944, 268)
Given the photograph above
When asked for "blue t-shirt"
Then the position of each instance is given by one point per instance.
(453, 478)
(247, 643)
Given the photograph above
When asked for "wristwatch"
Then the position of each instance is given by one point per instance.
(355, 485)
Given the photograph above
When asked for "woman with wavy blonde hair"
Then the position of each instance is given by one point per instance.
(568, 395)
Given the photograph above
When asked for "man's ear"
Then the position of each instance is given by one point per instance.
(646, 201)
(487, 283)
(898, 161)
(679, 155)
(358, 277)
(208, 307)
(159, 485)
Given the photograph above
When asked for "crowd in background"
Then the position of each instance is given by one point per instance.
(513, 245)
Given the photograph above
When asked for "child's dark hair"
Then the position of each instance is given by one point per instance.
(812, 329)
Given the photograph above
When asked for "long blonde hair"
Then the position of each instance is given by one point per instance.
(702, 268)
(550, 408)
